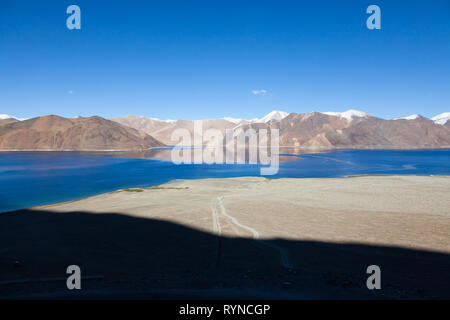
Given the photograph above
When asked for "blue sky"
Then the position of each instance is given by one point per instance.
(203, 59)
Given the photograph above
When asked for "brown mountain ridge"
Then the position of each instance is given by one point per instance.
(318, 130)
(314, 130)
(321, 131)
(58, 133)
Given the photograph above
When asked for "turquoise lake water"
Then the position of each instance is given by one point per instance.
(37, 178)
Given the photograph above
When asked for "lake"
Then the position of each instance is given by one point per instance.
(38, 178)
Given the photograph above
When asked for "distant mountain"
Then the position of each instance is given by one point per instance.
(238, 120)
(442, 118)
(148, 125)
(274, 115)
(162, 129)
(6, 121)
(314, 130)
(318, 130)
(8, 117)
(349, 114)
(410, 117)
(58, 133)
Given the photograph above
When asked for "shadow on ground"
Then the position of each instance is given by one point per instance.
(132, 257)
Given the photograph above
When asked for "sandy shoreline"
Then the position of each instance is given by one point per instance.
(249, 233)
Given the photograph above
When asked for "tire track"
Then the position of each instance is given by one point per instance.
(218, 232)
(285, 261)
(215, 218)
(235, 221)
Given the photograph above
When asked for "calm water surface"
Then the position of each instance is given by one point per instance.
(37, 178)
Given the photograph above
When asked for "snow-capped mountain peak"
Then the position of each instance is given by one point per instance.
(234, 120)
(441, 118)
(411, 117)
(274, 115)
(349, 114)
(7, 116)
(157, 119)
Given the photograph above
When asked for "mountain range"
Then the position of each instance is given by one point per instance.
(314, 130)
(319, 130)
(58, 133)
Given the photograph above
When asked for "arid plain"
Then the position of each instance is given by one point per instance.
(240, 237)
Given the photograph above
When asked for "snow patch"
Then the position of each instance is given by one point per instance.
(349, 114)
(167, 121)
(7, 116)
(411, 117)
(234, 120)
(309, 115)
(274, 115)
(441, 118)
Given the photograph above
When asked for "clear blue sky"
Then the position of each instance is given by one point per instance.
(202, 59)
